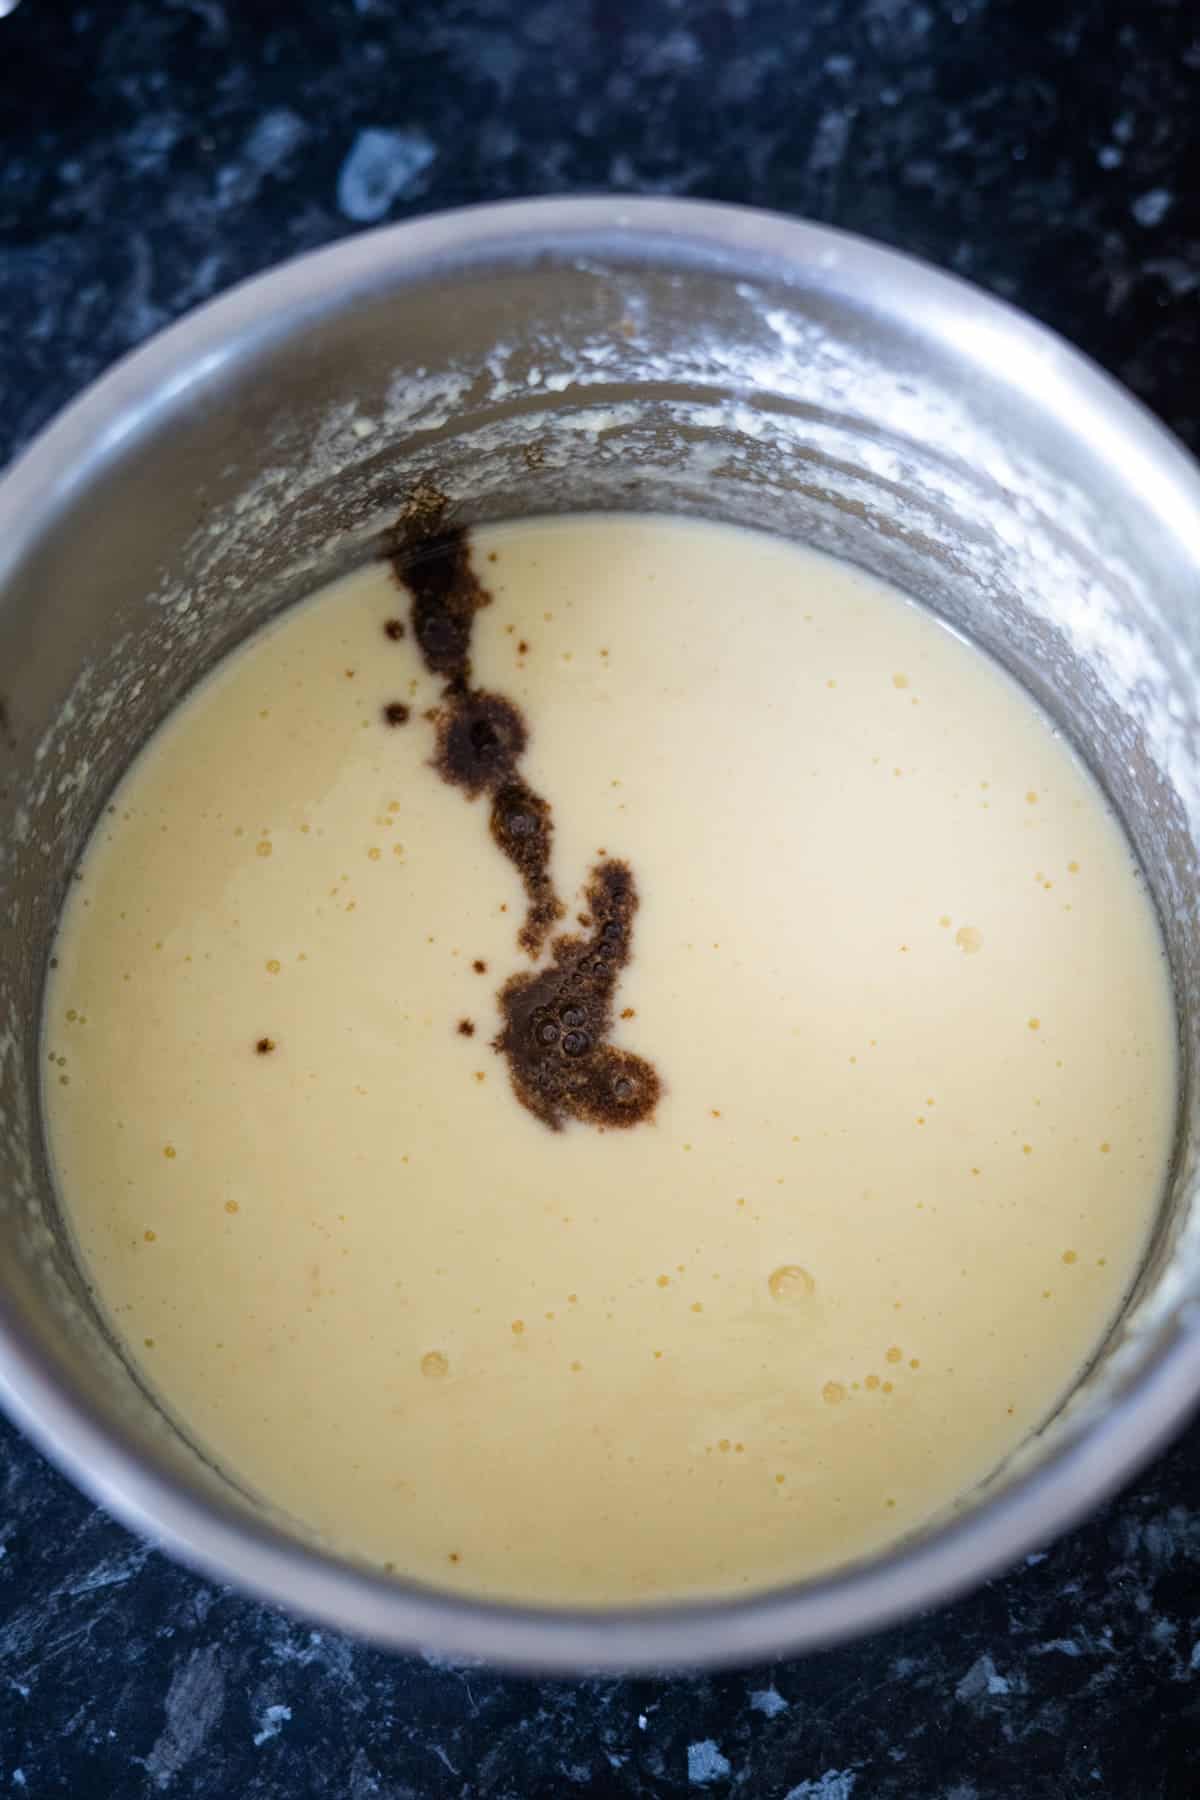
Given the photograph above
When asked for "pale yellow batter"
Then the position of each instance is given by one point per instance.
(892, 964)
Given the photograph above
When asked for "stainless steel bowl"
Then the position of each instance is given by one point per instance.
(538, 357)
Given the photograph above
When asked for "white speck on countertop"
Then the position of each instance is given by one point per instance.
(834, 1784)
(381, 167)
(193, 1706)
(705, 1763)
(982, 1678)
(1152, 207)
(768, 1701)
(271, 1723)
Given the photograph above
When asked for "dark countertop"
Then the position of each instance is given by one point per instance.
(152, 153)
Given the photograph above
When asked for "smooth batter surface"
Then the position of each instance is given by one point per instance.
(891, 963)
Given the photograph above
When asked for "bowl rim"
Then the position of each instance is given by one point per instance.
(221, 1542)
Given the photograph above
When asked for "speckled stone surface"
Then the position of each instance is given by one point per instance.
(153, 152)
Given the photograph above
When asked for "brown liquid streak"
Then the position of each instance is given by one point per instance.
(557, 1019)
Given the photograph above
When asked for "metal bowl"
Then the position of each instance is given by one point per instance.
(539, 357)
